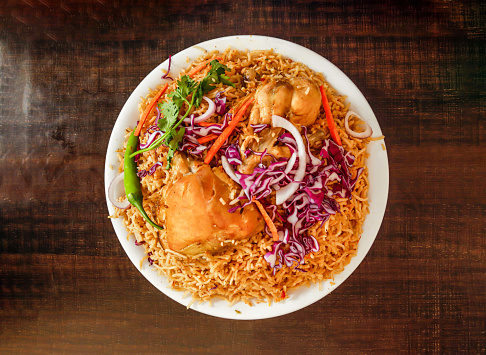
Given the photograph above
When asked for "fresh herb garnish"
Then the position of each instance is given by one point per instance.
(171, 109)
(175, 139)
(185, 87)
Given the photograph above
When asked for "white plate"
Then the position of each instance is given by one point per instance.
(377, 164)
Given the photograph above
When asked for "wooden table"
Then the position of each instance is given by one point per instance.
(66, 69)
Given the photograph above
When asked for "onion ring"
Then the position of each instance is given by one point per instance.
(362, 135)
(112, 192)
(209, 112)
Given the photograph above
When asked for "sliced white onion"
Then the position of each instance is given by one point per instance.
(116, 190)
(291, 163)
(209, 112)
(229, 169)
(365, 134)
(284, 193)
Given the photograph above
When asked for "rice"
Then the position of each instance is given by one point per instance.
(241, 273)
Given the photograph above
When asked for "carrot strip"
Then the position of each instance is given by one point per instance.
(201, 66)
(208, 138)
(207, 124)
(267, 219)
(227, 132)
(149, 108)
(329, 118)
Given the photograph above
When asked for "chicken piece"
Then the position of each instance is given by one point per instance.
(273, 98)
(196, 211)
(298, 99)
(183, 165)
(249, 74)
(306, 101)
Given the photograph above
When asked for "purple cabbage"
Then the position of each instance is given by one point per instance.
(232, 153)
(262, 154)
(142, 173)
(166, 75)
(257, 128)
(152, 137)
(158, 116)
(313, 202)
(340, 160)
(220, 103)
(193, 132)
(203, 131)
(259, 183)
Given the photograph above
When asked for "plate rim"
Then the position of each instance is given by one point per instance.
(289, 305)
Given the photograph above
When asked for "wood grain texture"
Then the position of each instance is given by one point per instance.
(66, 69)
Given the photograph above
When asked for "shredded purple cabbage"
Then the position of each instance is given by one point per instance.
(220, 103)
(340, 160)
(232, 153)
(193, 132)
(312, 203)
(149, 259)
(257, 128)
(259, 183)
(166, 75)
(261, 154)
(152, 137)
(158, 116)
(142, 173)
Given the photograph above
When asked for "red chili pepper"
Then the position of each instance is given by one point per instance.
(330, 120)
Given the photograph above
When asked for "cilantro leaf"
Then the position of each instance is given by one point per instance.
(217, 67)
(170, 111)
(215, 76)
(185, 87)
(220, 69)
(175, 138)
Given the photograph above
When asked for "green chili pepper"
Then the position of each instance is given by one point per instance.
(133, 189)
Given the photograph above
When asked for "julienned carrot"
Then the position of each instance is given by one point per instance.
(267, 219)
(207, 124)
(149, 108)
(329, 118)
(201, 66)
(227, 132)
(208, 138)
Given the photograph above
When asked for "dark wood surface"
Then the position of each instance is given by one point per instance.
(66, 69)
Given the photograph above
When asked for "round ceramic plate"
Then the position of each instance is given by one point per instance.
(377, 164)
